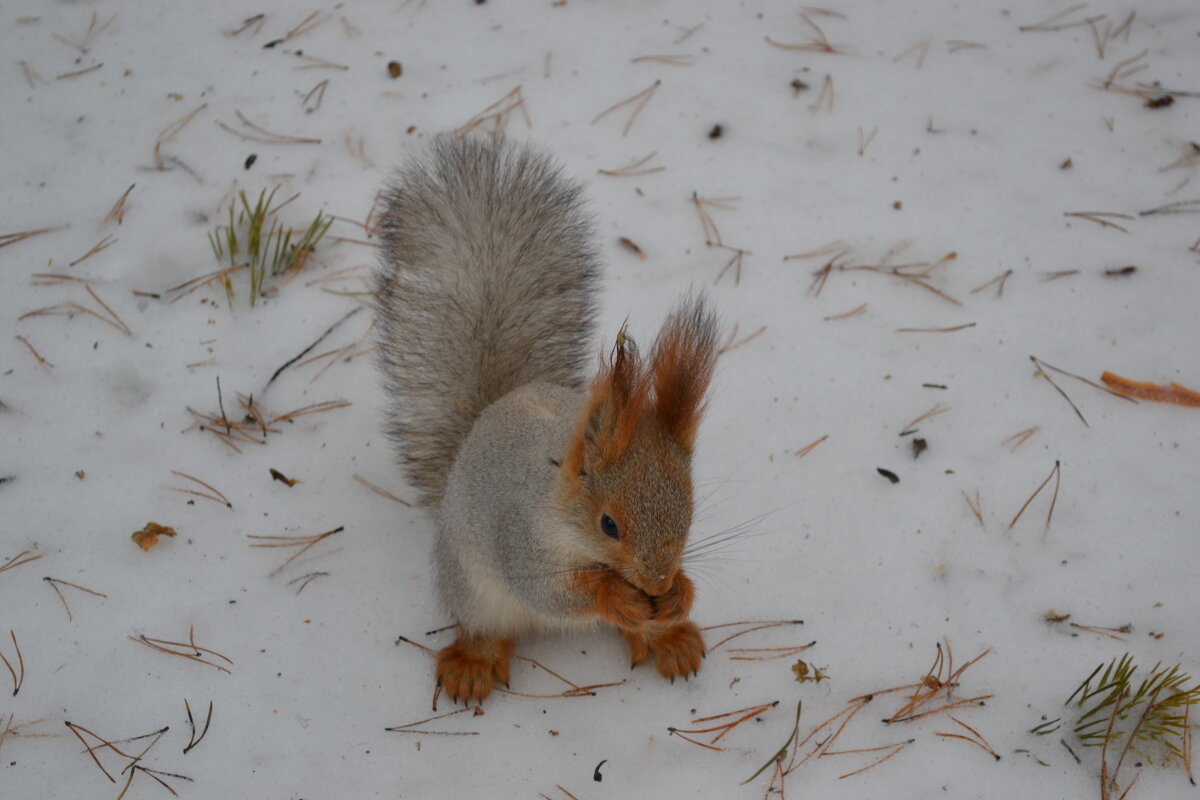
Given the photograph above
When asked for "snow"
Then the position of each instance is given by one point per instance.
(962, 150)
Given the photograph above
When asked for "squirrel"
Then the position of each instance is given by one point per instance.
(560, 499)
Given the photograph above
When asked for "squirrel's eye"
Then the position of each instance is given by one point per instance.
(609, 526)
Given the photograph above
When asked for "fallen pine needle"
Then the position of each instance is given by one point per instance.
(305, 543)
(12, 238)
(216, 495)
(54, 582)
(808, 448)
(15, 562)
(1054, 473)
(18, 675)
(379, 491)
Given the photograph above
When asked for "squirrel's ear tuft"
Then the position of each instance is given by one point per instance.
(681, 367)
(617, 398)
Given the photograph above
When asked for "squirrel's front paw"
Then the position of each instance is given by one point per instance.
(467, 668)
(617, 600)
(676, 603)
(678, 650)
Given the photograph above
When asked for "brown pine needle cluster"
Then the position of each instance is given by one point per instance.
(411, 727)
(817, 41)
(18, 674)
(257, 133)
(69, 310)
(257, 423)
(133, 765)
(216, 496)
(497, 115)
(18, 560)
(193, 739)
(1055, 473)
(56, 582)
(189, 650)
(731, 720)
(305, 543)
(1042, 372)
(932, 695)
(640, 99)
(755, 653)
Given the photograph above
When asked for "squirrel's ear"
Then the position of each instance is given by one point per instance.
(616, 399)
(685, 354)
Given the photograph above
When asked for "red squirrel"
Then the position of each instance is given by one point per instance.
(560, 498)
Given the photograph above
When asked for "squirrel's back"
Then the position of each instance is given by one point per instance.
(486, 284)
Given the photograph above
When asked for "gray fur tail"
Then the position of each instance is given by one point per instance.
(486, 283)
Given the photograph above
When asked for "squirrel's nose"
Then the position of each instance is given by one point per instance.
(656, 585)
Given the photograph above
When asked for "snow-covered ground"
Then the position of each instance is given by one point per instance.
(922, 129)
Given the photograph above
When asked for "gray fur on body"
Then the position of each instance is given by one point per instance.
(505, 552)
(487, 284)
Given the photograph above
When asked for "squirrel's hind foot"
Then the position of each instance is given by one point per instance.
(467, 669)
(678, 650)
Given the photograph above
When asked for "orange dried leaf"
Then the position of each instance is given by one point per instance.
(147, 537)
(1180, 395)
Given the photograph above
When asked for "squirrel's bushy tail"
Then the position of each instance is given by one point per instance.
(486, 283)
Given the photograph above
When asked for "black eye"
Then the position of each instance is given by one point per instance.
(609, 526)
